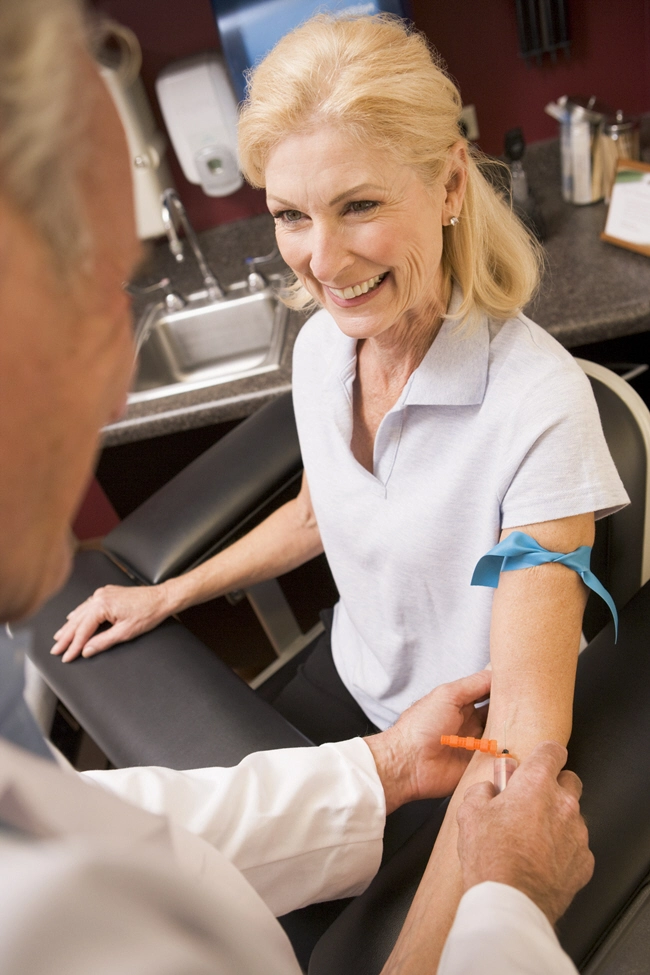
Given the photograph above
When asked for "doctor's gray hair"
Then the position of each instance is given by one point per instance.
(379, 81)
(42, 113)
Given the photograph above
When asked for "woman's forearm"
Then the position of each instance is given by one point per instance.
(536, 621)
(286, 539)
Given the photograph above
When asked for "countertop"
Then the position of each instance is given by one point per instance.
(590, 291)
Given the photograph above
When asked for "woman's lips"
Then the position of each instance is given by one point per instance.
(358, 299)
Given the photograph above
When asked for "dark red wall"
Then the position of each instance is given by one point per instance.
(610, 57)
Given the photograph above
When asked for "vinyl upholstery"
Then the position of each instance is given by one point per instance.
(201, 509)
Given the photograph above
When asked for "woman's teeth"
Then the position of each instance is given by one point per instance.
(359, 289)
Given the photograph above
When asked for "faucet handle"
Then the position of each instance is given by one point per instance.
(135, 290)
(256, 281)
(173, 301)
(264, 259)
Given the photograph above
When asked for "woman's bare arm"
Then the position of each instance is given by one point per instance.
(286, 539)
(534, 641)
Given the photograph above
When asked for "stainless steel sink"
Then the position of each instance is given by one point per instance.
(208, 342)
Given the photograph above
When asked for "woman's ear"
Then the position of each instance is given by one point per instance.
(455, 180)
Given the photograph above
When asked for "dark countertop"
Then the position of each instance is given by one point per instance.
(591, 291)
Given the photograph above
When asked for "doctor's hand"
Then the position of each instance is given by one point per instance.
(531, 836)
(411, 762)
(130, 611)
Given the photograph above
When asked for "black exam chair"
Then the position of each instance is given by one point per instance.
(167, 700)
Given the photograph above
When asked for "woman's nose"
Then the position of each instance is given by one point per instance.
(329, 256)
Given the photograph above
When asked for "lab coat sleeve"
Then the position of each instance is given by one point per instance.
(73, 905)
(499, 931)
(301, 824)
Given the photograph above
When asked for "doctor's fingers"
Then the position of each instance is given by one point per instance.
(570, 782)
(477, 797)
(544, 763)
(467, 691)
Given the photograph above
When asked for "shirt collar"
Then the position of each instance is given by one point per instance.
(453, 372)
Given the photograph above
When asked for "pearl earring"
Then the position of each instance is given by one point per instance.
(453, 221)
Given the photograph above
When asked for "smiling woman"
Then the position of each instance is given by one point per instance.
(383, 87)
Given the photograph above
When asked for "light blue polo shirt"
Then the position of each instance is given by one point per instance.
(496, 428)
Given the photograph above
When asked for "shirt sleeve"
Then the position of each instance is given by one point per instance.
(557, 460)
(301, 824)
(499, 931)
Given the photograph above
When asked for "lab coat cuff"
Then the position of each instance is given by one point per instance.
(498, 930)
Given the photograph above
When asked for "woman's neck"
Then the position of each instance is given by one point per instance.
(396, 353)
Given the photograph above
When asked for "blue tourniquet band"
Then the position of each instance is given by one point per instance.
(520, 551)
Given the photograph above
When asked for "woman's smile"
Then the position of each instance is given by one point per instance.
(357, 294)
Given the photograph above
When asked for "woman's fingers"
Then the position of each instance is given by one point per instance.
(108, 638)
(84, 630)
(73, 636)
(129, 611)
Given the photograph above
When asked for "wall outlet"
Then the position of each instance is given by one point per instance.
(468, 117)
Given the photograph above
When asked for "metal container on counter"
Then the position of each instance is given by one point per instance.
(619, 139)
(581, 119)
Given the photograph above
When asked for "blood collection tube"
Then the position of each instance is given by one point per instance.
(504, 766)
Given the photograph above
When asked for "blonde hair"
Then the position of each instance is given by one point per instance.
(379, 80)
(41, 117)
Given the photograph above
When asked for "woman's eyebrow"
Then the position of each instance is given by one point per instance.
(278, 199)
(361, 188)
(353, 191)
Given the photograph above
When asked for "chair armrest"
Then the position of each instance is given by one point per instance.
(611, 723)
(162, 699)
(201, 509)
(607, 750)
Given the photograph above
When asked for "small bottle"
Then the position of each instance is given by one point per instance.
(514, 148)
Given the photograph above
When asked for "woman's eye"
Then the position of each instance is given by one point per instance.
(288, 216)
(362, 206)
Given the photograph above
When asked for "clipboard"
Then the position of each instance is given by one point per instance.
(628, 217)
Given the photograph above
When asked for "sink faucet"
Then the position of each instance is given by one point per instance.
(170, 202)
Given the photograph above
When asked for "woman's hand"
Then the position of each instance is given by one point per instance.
(411, 762)
(130, 611)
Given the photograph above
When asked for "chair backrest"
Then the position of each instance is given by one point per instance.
(217, 498)
(621, 554)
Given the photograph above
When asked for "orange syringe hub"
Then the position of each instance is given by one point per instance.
(471, 744)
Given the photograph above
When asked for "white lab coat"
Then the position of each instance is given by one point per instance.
(89, 883)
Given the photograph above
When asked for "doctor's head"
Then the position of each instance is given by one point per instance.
(67, 242)
(352, 126)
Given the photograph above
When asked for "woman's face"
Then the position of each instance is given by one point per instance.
(361, 231)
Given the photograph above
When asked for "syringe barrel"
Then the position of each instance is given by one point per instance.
(504, 766)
